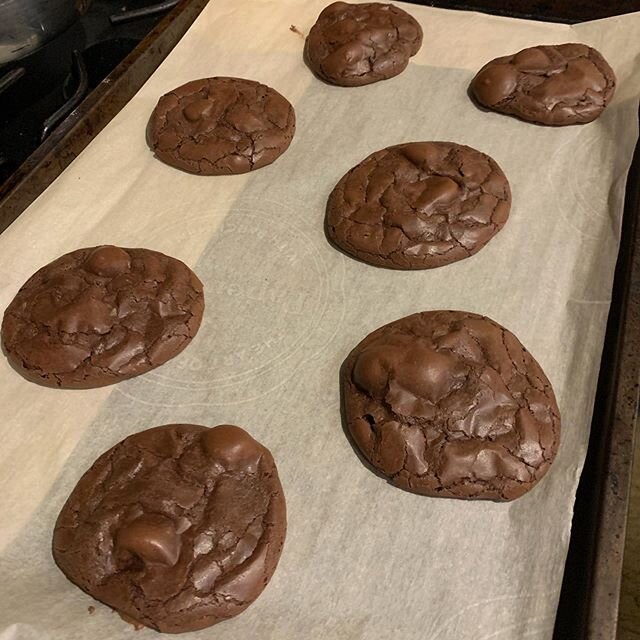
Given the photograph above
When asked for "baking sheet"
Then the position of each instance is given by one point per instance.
(362, 559)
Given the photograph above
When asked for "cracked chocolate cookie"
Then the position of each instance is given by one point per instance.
(450, 404)
(219, 126)
(356, 44)
(177, 527)
(552, 85)
(99, 315)
(418, 205)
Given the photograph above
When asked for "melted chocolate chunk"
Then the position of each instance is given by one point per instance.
(450, 404)
(552, 85)
(177, 527)
(418, 205)
(357, 44)
(99, 315)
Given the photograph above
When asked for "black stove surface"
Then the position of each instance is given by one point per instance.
(43, 88)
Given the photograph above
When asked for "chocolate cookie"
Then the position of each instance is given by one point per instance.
(553, 85)
(177, 527)
(355, 44)
(218, 126)
(418, 205)
(450, 404)
(102, 314)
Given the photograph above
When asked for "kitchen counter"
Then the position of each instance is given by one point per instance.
(629, 614)
(629, 617)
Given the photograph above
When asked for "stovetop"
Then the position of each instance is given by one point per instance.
(43, 88)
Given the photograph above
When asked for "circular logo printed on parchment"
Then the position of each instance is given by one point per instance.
(585, 185)
(269, 306)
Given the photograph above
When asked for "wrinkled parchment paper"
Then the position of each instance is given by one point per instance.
(363, 560)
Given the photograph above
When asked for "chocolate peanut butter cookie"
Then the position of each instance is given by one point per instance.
(218, 126)
(102, 314)
(418, 205)
(177, 527)
(356, 44)
(450, 404)
(553, 85)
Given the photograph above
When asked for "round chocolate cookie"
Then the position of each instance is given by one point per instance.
(102, 314)
(552, 85)
(218, 126)
(177, 527)
(356, 44)
(450, 404)
(418, 205)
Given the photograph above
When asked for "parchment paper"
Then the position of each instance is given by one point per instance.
(362, 560)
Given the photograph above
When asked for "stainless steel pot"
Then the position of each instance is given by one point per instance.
(25, 25)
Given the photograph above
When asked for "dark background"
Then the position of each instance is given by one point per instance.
(550, 10)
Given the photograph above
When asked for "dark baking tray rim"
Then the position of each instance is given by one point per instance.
(591, 587)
